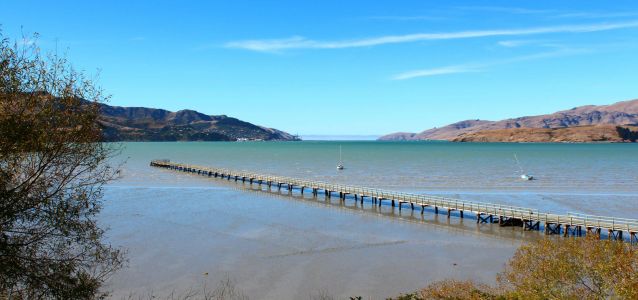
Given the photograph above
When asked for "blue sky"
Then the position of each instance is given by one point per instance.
(346, 67)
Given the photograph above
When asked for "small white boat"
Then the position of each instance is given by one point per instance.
(340, 165)
(524, 176)
(527, 177)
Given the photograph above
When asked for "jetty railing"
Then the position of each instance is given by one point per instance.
(505, 215)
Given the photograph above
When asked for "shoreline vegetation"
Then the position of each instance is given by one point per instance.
(574, 268)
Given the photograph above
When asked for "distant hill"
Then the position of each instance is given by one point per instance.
(150, 124)
(576, 134)
(620, 113)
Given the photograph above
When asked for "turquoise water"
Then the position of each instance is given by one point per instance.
(177, 226)
(588, 178)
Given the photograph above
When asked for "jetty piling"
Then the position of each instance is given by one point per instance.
(570, 224)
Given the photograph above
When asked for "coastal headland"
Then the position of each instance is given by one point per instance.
(589, 123)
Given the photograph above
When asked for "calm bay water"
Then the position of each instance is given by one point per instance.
(178, 227)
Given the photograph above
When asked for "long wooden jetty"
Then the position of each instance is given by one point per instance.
(570, 224)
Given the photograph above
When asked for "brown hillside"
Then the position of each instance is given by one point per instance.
(620, 113)
(578, 134)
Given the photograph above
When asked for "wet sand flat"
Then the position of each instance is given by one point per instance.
(282, 247)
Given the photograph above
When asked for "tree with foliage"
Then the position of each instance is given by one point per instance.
(627, 134)
(576, 268)
(53, 166)
(553, 268)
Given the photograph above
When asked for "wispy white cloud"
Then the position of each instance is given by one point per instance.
(515, 43)
(595, 15)
(564, 51)
(482, 67)
(298, 42)
(505, 9)
(274, 45)
(550, 13)
(437, 71)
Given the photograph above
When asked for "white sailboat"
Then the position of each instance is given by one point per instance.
(524, 175)
(340, 165)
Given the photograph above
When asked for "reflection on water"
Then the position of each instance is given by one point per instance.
(178, 226)
(452, 225)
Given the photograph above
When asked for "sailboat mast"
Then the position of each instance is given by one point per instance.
(518, 164)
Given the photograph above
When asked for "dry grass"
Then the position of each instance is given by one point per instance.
(226, 289)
